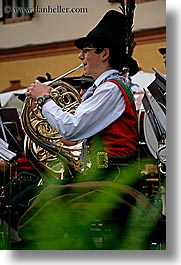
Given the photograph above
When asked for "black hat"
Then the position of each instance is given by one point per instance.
(110, 32)
(162, 51)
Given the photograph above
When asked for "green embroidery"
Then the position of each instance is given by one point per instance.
(127, 90)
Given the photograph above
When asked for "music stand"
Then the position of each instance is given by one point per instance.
(11, 129)
(12, 141)
(158, 89)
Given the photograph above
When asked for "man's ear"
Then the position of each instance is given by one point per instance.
(105, 54)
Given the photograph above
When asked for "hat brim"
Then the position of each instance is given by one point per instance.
(79, 43)
(98, 41)
(162, 51)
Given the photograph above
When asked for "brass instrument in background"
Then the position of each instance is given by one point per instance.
(44, 146)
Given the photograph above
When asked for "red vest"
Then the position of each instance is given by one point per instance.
(120, 138)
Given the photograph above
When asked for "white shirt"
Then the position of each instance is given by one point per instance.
(92, 115)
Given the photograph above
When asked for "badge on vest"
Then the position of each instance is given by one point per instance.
(102, 160)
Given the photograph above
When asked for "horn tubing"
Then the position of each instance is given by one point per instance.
(48, 83)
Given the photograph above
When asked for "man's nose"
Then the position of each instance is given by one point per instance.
(81, 55)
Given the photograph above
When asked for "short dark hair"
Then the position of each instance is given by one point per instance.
(118, 61)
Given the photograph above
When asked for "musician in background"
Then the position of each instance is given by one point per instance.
(162, 51)
(106, 116)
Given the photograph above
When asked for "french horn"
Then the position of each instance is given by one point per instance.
(45, 148)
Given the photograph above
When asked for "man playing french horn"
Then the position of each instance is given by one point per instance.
(107, 112)
(106, 120)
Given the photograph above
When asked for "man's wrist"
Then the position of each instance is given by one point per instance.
(42, 100)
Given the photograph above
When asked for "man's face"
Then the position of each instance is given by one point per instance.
(95, 60)
(90, 60)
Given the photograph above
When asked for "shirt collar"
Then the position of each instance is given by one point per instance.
(105, 76)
